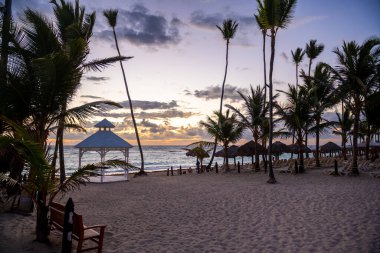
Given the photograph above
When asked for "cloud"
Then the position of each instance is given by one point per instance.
(141, 27)
(209, 21)
(96, 78)
(298, 22)
(214, 92)
(149, 105)
(166, 114)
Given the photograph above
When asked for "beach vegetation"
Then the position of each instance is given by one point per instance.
(357, 78)
(225, 129)
(252, 116)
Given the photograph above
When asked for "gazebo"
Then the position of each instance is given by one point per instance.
(103, 141)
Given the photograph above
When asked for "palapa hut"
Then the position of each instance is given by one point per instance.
(278, 148)
(199, 153)
(231, 153)
(248, 149)
(103, 141)
(294, 148)
(330, 147)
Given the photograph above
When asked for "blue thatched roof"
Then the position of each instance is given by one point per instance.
(105, 123)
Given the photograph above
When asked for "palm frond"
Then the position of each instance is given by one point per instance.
(100, 64)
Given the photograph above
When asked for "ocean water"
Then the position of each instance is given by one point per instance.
(155, 158)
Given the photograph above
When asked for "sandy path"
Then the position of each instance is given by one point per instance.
(232, 213)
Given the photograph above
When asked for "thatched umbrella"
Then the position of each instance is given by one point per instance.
(199, 153)
(231, 152)
(330, 147)
(294, 148)
(248, 149)
(278, 148)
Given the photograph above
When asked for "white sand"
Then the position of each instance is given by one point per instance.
(230, 212)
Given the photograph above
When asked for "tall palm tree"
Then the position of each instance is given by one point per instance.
(264, 33)
(111, 16)
(297, 57)
(252, 115)
(342, 127)
(225, 129)
(322, 97)
(296, 114)
(357, 69)
(313, 50)
(274, 15)
(228, 30)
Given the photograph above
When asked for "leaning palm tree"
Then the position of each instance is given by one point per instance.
(225, 129)
(274, 15)
(111, 16)
(252, 116)
(356, 72)
(228, 31)
(313, 50)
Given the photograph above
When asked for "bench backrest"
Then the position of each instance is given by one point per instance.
(57, 218)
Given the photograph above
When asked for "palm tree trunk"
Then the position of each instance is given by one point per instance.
(55, 155)
(317, 161)
(265, 67)
(142, 172)
(301, 165)
(257, 165)
(225, 157)
(221, 104)
(7, 14)
(367, 141)
(42, 225)
(271, 179)
(60, 130)
(354, 169)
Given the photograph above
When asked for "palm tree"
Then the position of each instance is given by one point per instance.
(264, 33)
(225, 129)
(111, 16)
(274, 15)
(343, 127)
(296, 115)
(41, 188)
(297, 59)
(228, 31)
(356, 72)
(252, 115)
(322, 97)
(313, 50)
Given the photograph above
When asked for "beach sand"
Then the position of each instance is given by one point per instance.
(225, 212)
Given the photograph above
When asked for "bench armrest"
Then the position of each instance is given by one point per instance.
(94, 226)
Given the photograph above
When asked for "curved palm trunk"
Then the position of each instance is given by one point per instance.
(62, 171)
(221, 104)
(271, 179)
(306, 130)
(142, 172)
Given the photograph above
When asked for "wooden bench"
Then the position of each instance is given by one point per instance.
(80, 232)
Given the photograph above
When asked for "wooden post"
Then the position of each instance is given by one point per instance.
(68, 227)
(180, 170)
(295, 167)
(171, 170)
(216, 168)
(167, 172)
(238, 165)
(336, 173)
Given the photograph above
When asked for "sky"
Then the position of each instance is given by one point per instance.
(177, 69)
